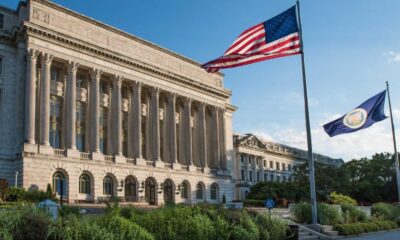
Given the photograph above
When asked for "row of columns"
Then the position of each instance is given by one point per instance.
(217, 146)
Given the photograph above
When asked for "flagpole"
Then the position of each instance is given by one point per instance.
(308, 128)
(396, 156)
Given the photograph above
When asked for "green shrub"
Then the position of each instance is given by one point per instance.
(16, 194)
(66, 211)
(383, 211)
(327, 214)
(352, 214)
(358, 228)
(125, 229)
(253, 203)
(274, 229)
(129, 212)
(340, 199)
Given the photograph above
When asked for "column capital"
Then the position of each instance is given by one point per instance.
(136, 85)
(32, 55)
(221, 110)
(95, 74)
(171, 96)
(187, 101)
(155, 91)
(117, 80)
(46, 58)
(72, 66)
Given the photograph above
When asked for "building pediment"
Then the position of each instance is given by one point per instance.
(251, 141)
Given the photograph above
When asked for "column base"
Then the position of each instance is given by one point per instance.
(30, 148)
(73, 153)
(159, 164)
(192, 168)
(140, 162)
(176, 166)
(47, 150)
(206, 170)
(119, 159)
(97, 156)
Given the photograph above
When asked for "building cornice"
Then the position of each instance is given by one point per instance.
(79, 45)
(120, 32)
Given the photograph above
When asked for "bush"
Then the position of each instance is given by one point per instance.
(385, 211)
(3, 189)
(351, 214)
(66, 211)
(16, 194)
(327, 215)
(253, 203)
(340, 199)
(358, 228)
(125, 229)
(274, 229)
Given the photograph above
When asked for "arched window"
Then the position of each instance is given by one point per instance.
(108, 186)
(84, 184)
(199, 191)
(213, 191)
(184, 190)
(59, 183)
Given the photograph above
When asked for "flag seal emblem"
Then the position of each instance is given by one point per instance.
(356, 118)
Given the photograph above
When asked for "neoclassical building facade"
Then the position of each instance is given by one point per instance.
(257, 160)
(97, 112)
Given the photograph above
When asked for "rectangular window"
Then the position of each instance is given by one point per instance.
(258, 176)
(265, 163)
(265, 177)
(277, 166)
(242, 174)
(241, 158)
(1, 21)
(283, 167)
(271, 164)
(1, 65)
(272, 178)
(289, 167)
(277, 178)
(251, 176)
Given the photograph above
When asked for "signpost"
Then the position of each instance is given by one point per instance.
(269, 204)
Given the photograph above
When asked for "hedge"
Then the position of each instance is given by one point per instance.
(358, 228)
(327, 215)
(253, 203)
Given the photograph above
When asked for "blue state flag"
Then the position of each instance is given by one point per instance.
(368, 113)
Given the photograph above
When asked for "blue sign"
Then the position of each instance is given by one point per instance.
(269, 203)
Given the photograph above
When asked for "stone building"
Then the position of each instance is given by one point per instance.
(97, 112)
(261, 161)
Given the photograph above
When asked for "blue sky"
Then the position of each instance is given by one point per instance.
(352, 48)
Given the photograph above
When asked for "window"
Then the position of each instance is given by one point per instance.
(108, 186)
(241, 158)
(289, 167)
(277, 166)
(1, 21)
(258, 176)
(55, 75)
(283, 167)
(84, 184)
(214, 191)
(271, 164)
(1, 65)
(55, 122)
(265, 177)
(59, 184)
(272, 178)
(242, 174)
(199, 191)
(258, 161)
(125, 133)
(251, 176)
(278, 178)
(103, 123)
(184, 190)
(80, 125)
(265, 163)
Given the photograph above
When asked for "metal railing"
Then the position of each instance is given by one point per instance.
(59, 152)
(85, 155)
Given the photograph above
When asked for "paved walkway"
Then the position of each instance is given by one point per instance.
(395, 235)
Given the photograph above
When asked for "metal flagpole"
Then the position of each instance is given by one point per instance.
(309, 142)
(396, 156)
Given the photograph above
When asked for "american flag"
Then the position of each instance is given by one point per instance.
(276, 37)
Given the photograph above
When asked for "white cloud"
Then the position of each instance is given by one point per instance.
(364, 143)
(392, 56)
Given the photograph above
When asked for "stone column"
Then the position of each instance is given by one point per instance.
(136, 110)
(171, 126)
(155, 126)
(71, 109)
(117, 121)
(46, 60)
(221, 125)
(202, 135)
(188, 132)
(216, 138)
(30, 98)
(95, 115)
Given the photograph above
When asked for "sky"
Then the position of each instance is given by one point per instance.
(351, 48)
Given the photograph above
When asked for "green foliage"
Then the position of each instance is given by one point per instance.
(385, 211)
(3, 189)
(273, 229)
(124, 229)
(253, 203)
(16, 194)
(66, 211)
(351, 214)
(327, 214)
(358, 228)
(337, 198)
(291, 191)
(32, 195)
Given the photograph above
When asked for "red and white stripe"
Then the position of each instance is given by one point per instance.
(251, 47)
